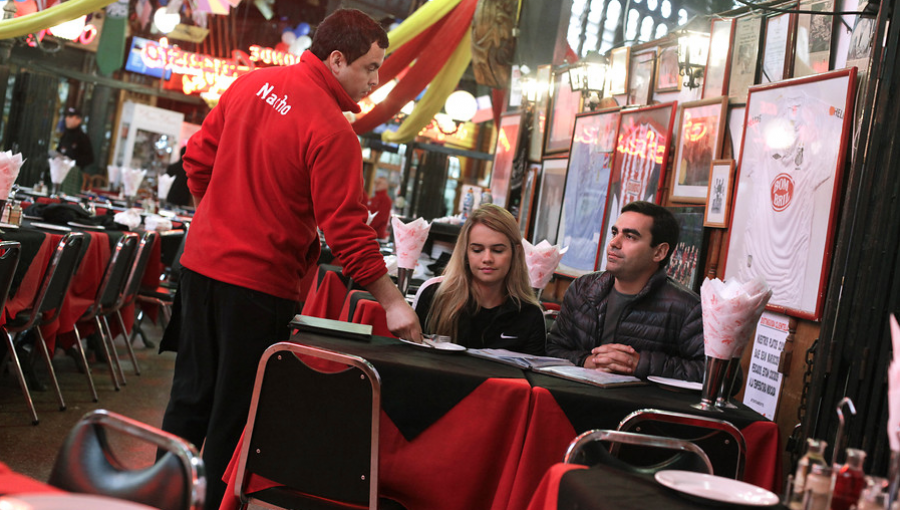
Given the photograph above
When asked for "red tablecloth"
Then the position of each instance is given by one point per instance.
(326, 299)
(15, 483)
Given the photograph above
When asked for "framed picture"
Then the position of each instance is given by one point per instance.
(744, 56)
(686, 264)
(786, 195)
(504, 155)
(813, 53)
(667, 77)
(587, 183)
(564, 105)
(718, 199)
(619, 60)
(700, 136)
(639, 165)
(736, 128)
(528, 187)
(718, 63)
(640, 81)
(539, 118)
(549, 203)
(777, 50)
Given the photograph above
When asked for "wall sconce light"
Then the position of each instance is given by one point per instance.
(589, 77)
(693, 50)
(533, 89)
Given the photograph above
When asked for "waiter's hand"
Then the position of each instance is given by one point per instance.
(615, 358)
(401, 318)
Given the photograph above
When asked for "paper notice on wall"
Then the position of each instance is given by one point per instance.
(764, 380)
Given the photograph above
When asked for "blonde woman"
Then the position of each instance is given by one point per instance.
(484, 299)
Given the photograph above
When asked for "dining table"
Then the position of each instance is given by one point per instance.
(458, 431)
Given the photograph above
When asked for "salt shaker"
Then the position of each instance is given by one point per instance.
(817, 493)
(815, 450)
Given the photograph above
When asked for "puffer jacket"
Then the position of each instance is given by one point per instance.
(664, 324)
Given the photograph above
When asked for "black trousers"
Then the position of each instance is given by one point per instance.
(224, 330)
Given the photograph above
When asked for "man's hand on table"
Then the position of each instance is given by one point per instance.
(401, 319)
(614, 358)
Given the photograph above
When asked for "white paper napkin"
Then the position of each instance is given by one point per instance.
(409, 238)
(157, 223)
(59, 168)
(542, 260)
(9, 170)
(132, 179)
(730, 313)
(131, 218)
(893, 423)
(163, 185)
(114, 173)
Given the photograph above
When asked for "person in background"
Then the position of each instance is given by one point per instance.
(179, 194)
(485, 299)
(273, 161)
(380, 203)
(632, 318)
(75, 144)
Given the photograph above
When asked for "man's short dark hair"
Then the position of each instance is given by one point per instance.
(665, 227)
(349, 31)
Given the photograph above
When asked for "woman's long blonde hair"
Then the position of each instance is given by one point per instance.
(455, 294)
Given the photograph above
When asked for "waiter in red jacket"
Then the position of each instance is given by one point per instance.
(274, 160)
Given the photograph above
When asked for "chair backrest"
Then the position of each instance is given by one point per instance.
(133, 282)
(86, 464)
(428, 283)
(58, 276)
(721, 440)
(585, 449)
(313, 426)
(117, 270)
(10, 251)
(172, 260)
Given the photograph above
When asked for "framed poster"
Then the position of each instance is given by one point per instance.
(718, 200)
(639, 165)
(718, 63)
(782, 226)
(619, 59)
(564, 105)
(504, 155)
(686, 264)
(539, 117)
(813, 49)
(587, 182)
(528, 187)
(736, 128)
(549, 203)
(700, 136)
(744, 56)
(667, 77)
(778, 48)
(640, 81)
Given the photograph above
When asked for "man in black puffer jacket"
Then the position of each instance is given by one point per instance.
(633, 319)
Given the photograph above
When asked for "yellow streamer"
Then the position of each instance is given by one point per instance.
(420, 20)
(37, 21)
(441, 87)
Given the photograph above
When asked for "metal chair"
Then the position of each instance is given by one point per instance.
(111, 287)
(87, 464)
(10, 251)
(313, 429)
(46, 306)
(721, 440)
(163, 295)
(129, 295)
(584, 449)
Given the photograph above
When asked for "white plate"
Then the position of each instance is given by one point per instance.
(716, 488)
(436, 346)
(50, 226)
(85, 225)
(56, 501)
(676, 383)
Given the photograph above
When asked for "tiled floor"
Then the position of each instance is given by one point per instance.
(32, 449)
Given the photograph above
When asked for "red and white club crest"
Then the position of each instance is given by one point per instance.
(782, 191)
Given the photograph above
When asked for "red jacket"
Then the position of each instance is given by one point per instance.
(380, 203)
(275, 158)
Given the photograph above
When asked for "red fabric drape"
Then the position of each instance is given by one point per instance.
(444, 39)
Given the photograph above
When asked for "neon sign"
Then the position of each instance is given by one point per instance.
(650, 146)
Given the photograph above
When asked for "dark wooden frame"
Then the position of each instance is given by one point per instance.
(669, 50)
(689, 193)
(788, 48)
(718, 36)
(553, 143)
(717, 167)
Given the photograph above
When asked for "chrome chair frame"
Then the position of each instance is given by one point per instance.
(710, 425)
(366, 370)
(192, 464)
(9, 261)
(46, 306)
(618, 437)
